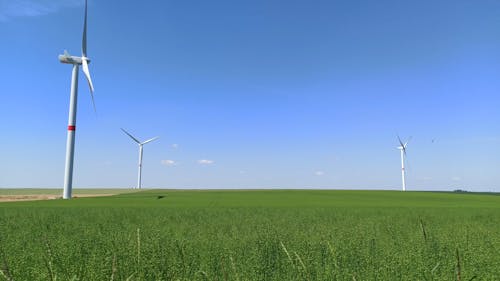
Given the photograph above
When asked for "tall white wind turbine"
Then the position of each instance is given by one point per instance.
(70, 143)
(402, 147)
(139, 176)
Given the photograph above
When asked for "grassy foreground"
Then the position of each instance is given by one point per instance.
(253, 235)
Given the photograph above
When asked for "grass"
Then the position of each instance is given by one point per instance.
(253, 235)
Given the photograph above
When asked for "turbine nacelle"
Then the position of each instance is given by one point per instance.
(69, 59)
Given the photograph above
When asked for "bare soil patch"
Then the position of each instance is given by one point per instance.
(33, 197)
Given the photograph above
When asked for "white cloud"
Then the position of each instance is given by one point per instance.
(168, 162)
(205, 162)
(33, 8)
(319, 173)
(174, 146)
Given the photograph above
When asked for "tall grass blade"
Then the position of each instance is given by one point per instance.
(459, 267)
(130, 277)
(332, 252)
(287, 254)
(113, 268)
(203, 273)
(422, 226)
(5, 271)
(234, 268)
(138, 246)
(48, 260)
(304, 268)
(435, 267)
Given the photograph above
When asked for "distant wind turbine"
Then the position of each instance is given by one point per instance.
(70, 143)
(140, 154)
(402, 147)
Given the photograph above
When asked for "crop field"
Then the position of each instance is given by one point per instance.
(253, 235)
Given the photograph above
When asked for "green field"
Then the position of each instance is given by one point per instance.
(253, 235)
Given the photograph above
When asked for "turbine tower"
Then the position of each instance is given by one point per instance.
(402, 147)
(139, 176)
(70, 143)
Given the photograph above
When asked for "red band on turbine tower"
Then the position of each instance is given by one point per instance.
(71, 128)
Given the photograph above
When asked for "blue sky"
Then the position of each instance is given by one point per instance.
(270, 94)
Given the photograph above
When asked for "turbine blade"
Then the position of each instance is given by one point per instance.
(132, 137)
(84, 37)
(85, 63)
(150, 140)
(85, 68)
(400, 142)
(406, 143)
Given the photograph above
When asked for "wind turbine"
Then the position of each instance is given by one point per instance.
(70, 143)
(140, 154)
(402, 147)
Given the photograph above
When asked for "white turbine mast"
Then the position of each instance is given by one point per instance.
(139, 176)
(70, 143)
(402, 147)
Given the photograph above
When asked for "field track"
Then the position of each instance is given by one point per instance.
(32, 194)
